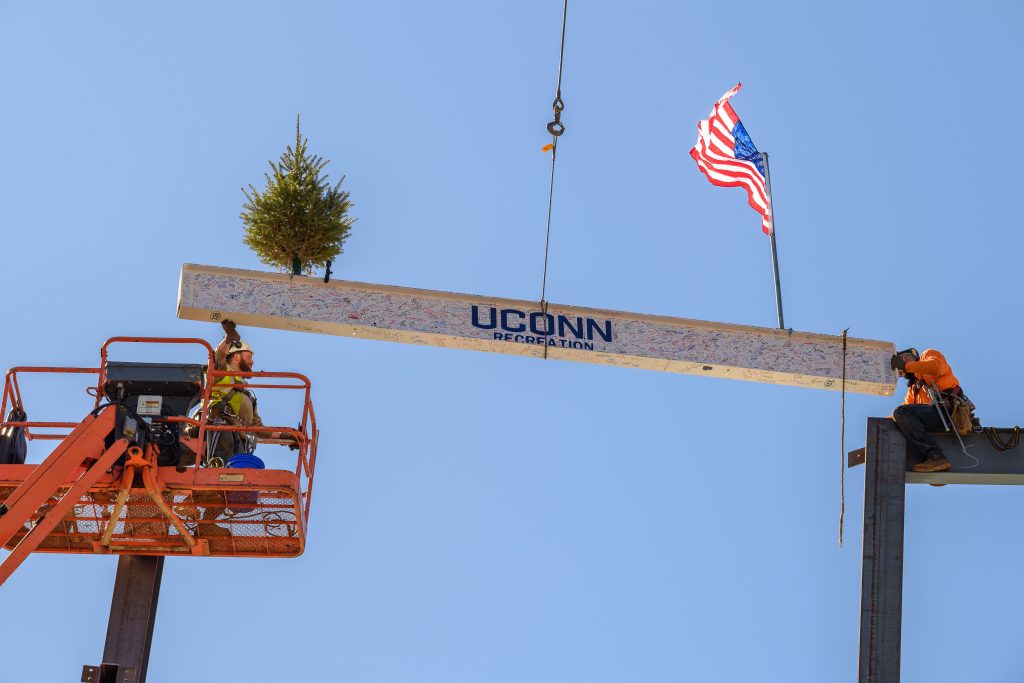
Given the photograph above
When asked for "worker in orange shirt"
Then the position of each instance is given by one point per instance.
(917, 416)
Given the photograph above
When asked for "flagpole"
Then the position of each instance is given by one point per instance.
(775, 255)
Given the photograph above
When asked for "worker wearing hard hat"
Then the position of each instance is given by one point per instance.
(237, 404)
(230, 405)
(917, 416)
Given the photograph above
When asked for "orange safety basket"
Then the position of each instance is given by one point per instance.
(98, 494)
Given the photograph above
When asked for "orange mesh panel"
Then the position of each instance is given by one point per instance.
(238, 519)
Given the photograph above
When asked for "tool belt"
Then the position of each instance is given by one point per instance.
(960, 409)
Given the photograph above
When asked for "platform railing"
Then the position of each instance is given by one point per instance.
(12, 398)
(305, 436)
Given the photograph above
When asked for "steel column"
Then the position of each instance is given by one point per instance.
(881, 610)
(132, 615)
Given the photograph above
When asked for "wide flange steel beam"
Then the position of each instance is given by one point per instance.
(888, 461)
(881, 611)
(132, 616)
(464, 321)
(990, 465)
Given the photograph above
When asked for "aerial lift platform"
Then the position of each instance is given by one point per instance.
(128, 478)
(136, 477)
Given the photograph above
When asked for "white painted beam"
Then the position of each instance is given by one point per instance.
(464, 321)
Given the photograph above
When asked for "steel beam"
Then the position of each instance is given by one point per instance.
(988, 466)
(132, 615)
(881, 606)
(888, 460)
(527, 328)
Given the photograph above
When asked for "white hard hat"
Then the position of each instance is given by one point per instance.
(238, 347)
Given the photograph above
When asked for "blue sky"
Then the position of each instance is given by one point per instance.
(494, 518)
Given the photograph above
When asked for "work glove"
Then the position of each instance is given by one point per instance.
(294, 445)
(289, 439)
(898, 362)
(230, 331)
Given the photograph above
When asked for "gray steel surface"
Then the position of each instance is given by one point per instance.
(992, 467)
(888, 460)
(881, 610)
(132, 615)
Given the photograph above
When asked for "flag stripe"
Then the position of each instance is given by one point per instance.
(715, 154)
(734, 168)
(727, 179)
(730, 114)
(719, 176)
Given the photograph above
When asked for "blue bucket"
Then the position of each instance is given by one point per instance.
(244, 501)
(247, 460)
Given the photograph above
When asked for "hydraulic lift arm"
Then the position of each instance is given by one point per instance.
(84, 448)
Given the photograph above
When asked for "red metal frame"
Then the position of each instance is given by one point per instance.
(84, 449)
(161, 484)
(12, 395)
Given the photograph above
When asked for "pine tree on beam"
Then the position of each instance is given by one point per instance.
(299, 222)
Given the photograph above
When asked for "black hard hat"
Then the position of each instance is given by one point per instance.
(911, 352)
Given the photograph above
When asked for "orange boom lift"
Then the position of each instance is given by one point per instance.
(135, 478)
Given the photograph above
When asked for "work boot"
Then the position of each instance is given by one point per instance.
(934, 464)
(209, 529)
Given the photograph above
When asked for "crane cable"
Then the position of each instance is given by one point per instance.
(556, 128)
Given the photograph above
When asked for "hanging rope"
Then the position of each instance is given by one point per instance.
(842, 446)
(556, 128)
(1012, 441)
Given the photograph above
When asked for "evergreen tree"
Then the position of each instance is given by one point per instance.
(299, 221)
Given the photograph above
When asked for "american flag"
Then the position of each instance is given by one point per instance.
(727, 156)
